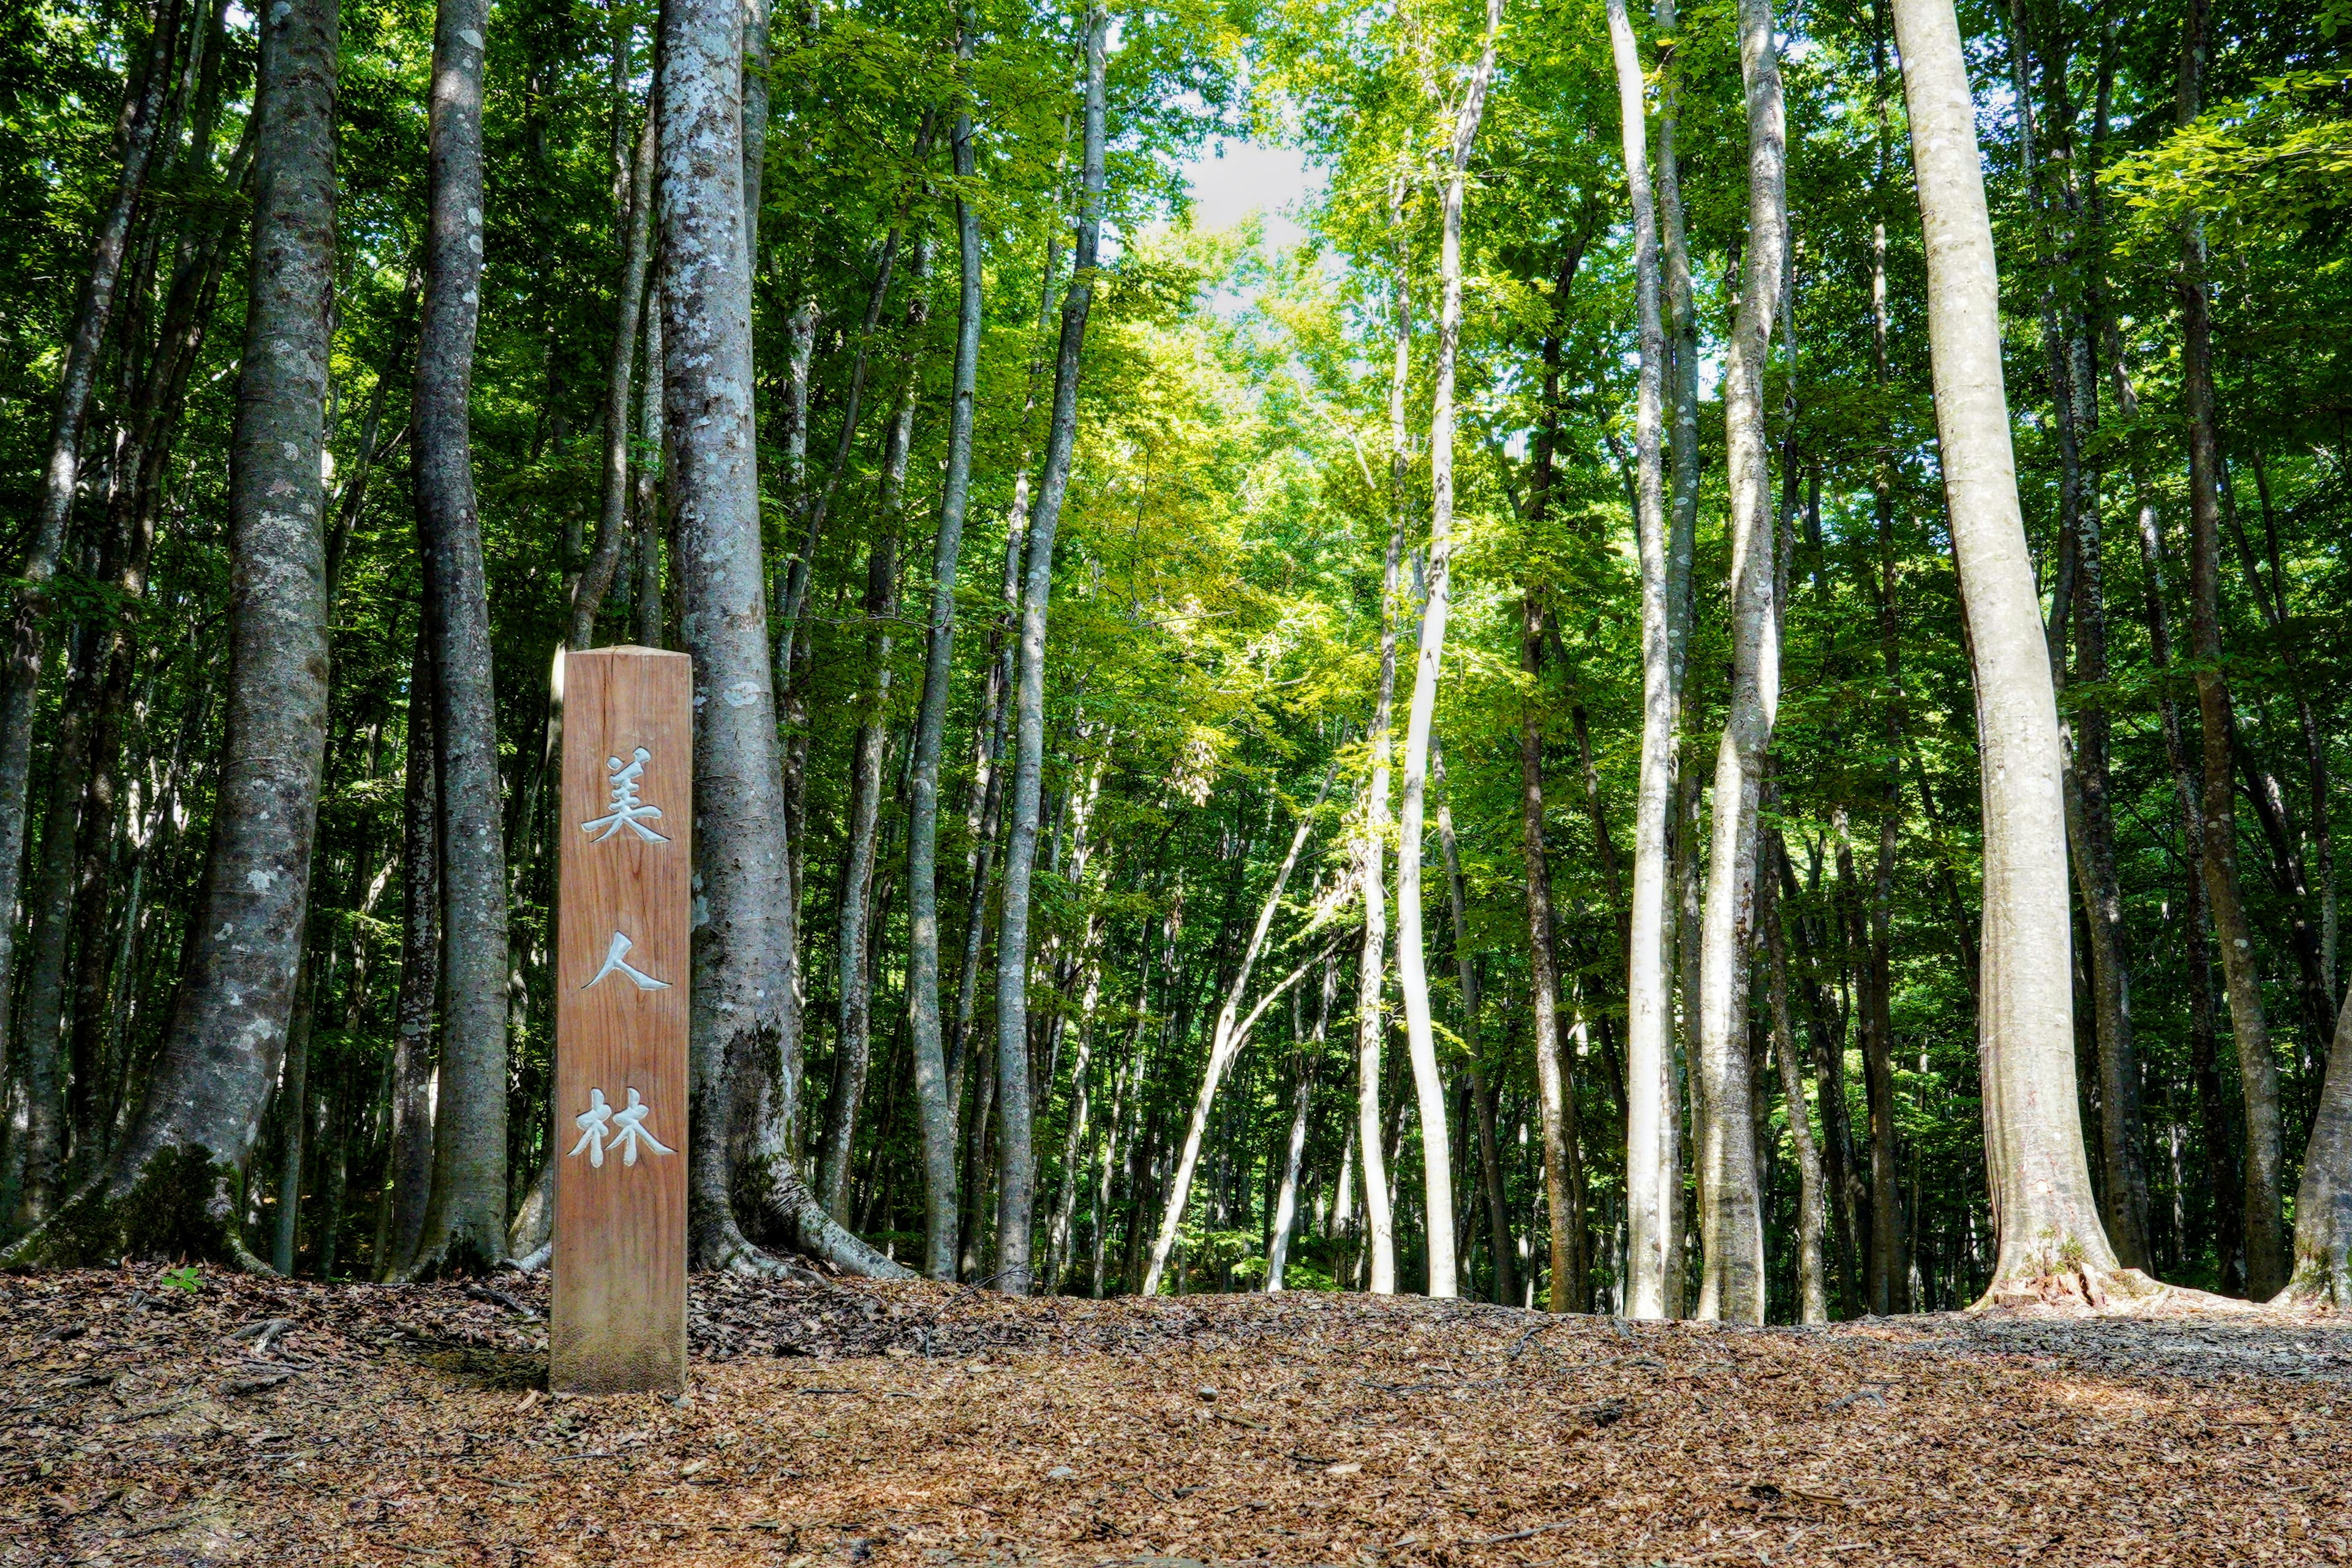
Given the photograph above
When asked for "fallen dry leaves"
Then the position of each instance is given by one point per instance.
(275, 1422)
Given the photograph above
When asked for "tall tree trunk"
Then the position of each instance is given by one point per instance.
(2049, 1235)
(294, 1112)
(408, 1178)
(1553, 1086)
(595, 578)
(1482, 1094)
(1413, 979)
(931, 1090)
(466, 1220)
(171, 1187)
(1371, 848)
(852, 1057)
(1653, 1165)
(653, 463)
(1016, 1189)
(2266, 1258)
(1731, 1218)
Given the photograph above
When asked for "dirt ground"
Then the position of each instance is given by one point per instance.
(154, 1418)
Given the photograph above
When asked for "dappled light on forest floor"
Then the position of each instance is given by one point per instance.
(188, 1417)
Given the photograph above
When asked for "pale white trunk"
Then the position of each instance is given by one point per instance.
(1413, 978)
(1731, 1224)
(1225, 1044)
(1653, 1164)
(2046, 1219)
(1286, 1204)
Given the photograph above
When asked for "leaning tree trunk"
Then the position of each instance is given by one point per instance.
(2049, 1237)
(171, 1189)
(466, 1220)
(1731, 1222)
(1653, 1166)
(1017, 1186)
(1412, 977)
(1225, 1044)
(1302, 1096)
(935, 1103)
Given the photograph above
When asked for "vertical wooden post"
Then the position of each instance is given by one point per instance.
(618, 1322)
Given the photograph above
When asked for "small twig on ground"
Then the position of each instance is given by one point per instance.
(1870, 1393)
(1522, 1534)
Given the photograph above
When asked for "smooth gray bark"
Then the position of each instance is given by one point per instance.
(1731, 1285)
(1016, 1188)
(465, 1220)
(936, 1105)
(1653, 1164)
(169, 1188)
(2049, 1230)
(1413, 978)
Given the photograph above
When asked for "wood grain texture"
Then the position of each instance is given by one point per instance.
(618, 1316)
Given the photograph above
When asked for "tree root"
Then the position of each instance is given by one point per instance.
(786, 1212)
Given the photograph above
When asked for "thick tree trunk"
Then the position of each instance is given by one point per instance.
(1016, 1190)
(2050, 1236)
(1413, 979)
(1731, 1219)
(595, 578)
(705, 308)
(170, 1189)
(466, 1220)
(408, 1179)
(932, 1087)
(1653, 1165)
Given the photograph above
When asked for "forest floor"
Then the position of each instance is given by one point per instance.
(194, 1418)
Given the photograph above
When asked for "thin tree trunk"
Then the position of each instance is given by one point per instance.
(1302, 1096)
(294, 1114)
(1413, 979)
(1552, 1084)
(652, 462)
(2266, 1258)
(595, 578)
(1652, 1165)
(1225, 1044)
(145, 86)
(1732, 1226)
(853, 1055)
(2049, 1231)
(466, 1220)
(932, 1087)
(1015, 1193)
(1490, 1160)
(409, 1174)
(1814, 1305)
(171, 1185)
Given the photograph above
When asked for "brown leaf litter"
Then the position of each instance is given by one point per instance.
(260, 1422)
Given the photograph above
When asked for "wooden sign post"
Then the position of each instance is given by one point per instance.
(618, 1322)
